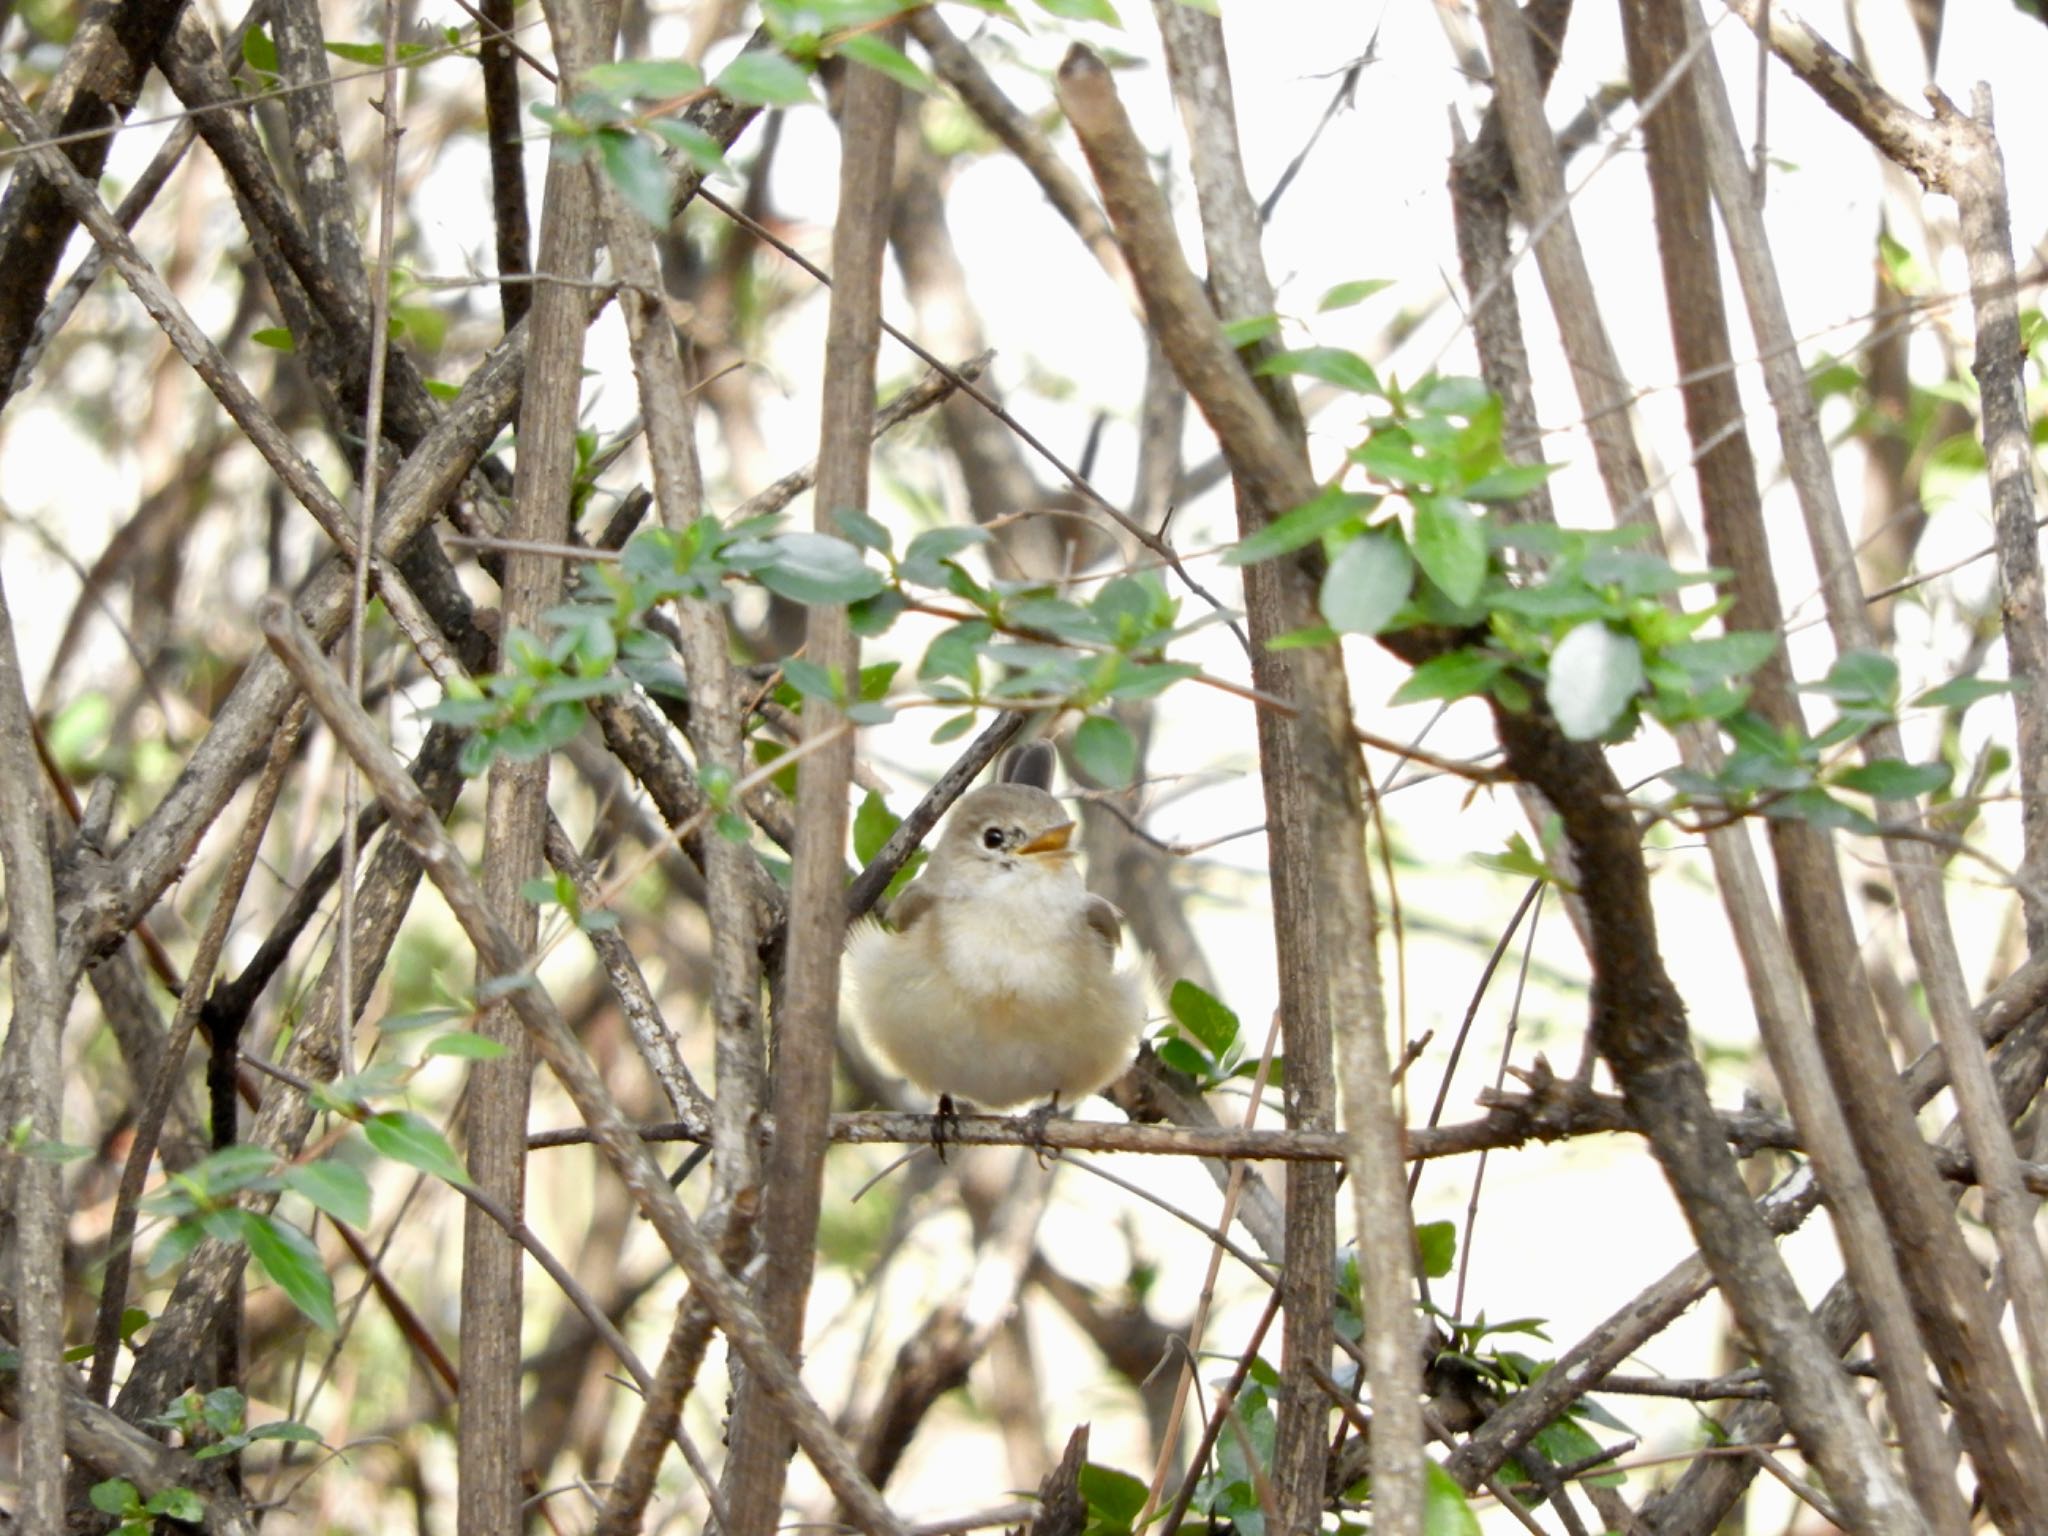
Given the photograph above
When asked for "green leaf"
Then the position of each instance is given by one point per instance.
(1203, 1017)
(1736, 654)
(423, 1018)
(1184, 1057)
(1453, 675)
(467, 1045)
(258, 51)
(649, 79)
(924, 561)
(953, 727)
(1888, 778)
(1081, 10)
(863, 530)
(275, 337)
(1367, 583)
(873, 824)
(1450, 546)
(1961, 692)
(764, 80)
(698, 147)
(1869, 678)
(1327, 510)
(1244, 331)
(636, 168)
(1444, 1510)
(1344, 295)
(406, 1137)
(293, 1264)
(817, 568)
(955, 653)
(1819, 808)
(334, 1187)
(115, 1496)
(1508, 483)
(1594, 673)
(1436, 1242)
(1114, 1497)
(810, 679)
(1106, 751)
(866, 48)
(1333, 365)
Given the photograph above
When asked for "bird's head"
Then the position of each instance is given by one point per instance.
(1003, 828)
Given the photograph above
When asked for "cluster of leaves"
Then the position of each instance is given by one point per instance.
(216, 1424)
(627, 115)
(1011, 648)
(1788, 773)
(205, 1200)
(212, 1425)
(1204, 1039)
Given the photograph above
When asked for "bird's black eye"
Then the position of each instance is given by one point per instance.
(992, 837)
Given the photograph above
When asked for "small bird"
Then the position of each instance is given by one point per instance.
(1000, 982)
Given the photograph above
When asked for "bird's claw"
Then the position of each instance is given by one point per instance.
(948, 1115)
(1036, 1121)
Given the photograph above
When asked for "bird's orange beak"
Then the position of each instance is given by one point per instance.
(1054, 841)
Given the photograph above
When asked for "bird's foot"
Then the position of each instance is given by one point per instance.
(948, 1116)
(1036, 1121)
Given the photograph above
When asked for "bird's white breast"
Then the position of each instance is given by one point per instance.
(1001, 993)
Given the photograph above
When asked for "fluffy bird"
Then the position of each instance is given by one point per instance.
(999, 982)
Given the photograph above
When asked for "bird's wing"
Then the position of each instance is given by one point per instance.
(917, 899)
(1104, 918)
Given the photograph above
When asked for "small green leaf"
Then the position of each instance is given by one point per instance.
(650, 79)
(1890, 779)
(423, 1018)
(1333, 365)
(467, 1045)
(698, 147)
(955, 653)
(1250, 328)
(863, 530)
(1453, 675)
(1869, 678)
(1436, 1242)
(953, 728)
(1327, 510)
(872, 825)
(1106, 751)
(1819, 808)
(258, 51)
(1344, 295)
(1444, 1510)
(924, 561)
(1715, 660)
(406, 1137)
(636, 168)
(334, 1187)
(293, 1264)
(868, 49)
(1081, 10)
(1450, 546)
(817, 568)
(764, 80)
(1961, 692)
(1114, 1497)
(810, 679)
(1367, 583)
(115, 1496)
(275, 337)
(1203, 1017)
(1594, 673)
